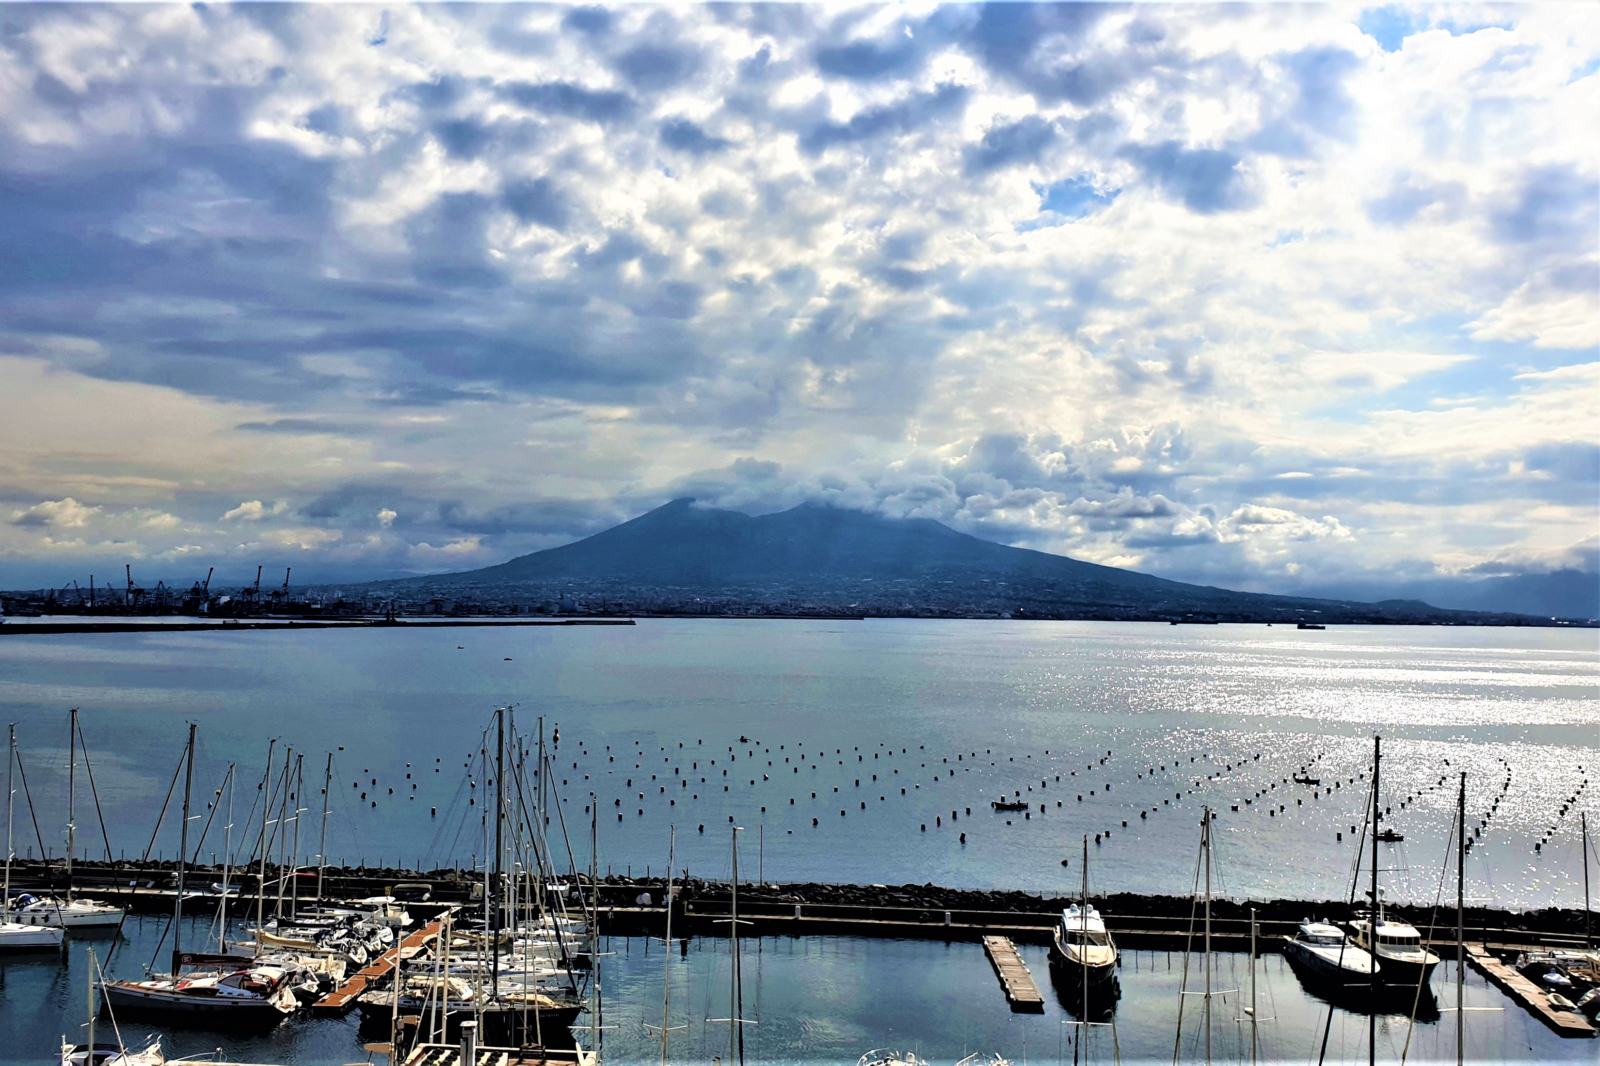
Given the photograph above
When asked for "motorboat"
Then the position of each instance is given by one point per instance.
(51, 911)
(1321, 951)
(1401, 958)
(1082, 948)
(1003, 804)
(255, 996)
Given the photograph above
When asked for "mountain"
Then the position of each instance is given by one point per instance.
(682, 558)
(1569, 593)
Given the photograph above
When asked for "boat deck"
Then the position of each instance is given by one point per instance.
(1533, 998)
(344, 997)
(1015, 978)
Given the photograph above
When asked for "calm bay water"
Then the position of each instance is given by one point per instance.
(828, 999)
(954, 713)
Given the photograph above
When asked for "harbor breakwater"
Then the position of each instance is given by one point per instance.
(634, 905)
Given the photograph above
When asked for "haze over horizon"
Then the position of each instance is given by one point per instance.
(1265, 297)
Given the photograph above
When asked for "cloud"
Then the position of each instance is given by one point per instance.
(1009, 143)
(253, 511)
(386, 517)
(65, 513)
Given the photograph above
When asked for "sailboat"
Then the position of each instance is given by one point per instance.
(18, 936)
(1082, 948)
(71, 912)
(1395, 946)
(248, 996)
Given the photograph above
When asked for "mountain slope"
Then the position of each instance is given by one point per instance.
(817, 558)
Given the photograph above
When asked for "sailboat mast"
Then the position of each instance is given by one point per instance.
(72, 793)
(1372, 915)
(183, 855)
(1254, 1043)
(227, 856)
(499, 817)
(1205, 834)
(11, 802)
(736, 1030)
(1583, 818)
(666, 954)
(322, 841)
(280, 831)
(89, 1042)
(1461, 915)
(261, 872)
(1083, 955)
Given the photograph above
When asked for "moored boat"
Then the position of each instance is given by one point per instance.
(1398, 950)
(1321, 952)
(253, 997)
(1081, 947)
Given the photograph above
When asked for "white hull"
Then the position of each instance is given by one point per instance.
(79, 914)
(15, 937)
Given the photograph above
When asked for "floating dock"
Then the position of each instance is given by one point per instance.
(1533, 998)
(344, 997)
(1021, 992)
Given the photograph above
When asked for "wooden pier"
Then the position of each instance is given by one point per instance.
(344, 997)
(1021, 992)
(1533, 998)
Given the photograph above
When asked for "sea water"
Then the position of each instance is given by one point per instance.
(898, 728)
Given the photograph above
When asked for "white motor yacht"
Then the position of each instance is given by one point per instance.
(1401, 958)
(1082, 947)
(1324, 953)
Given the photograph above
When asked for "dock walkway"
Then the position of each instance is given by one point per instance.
(1021, 992)
(344, 997)
(1533, 998)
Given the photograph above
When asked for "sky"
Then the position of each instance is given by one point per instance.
(1264, 296)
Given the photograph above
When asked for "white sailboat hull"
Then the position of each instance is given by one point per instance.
(17, 937)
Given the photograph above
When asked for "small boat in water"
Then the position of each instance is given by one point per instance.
(53, 912)
(890, 1057)
(1082, 948)
(1401, 958)
(1003, 804)
(110, 1055)
(1321, 952)
(1309, 625)
(19, 936)
(253, 997)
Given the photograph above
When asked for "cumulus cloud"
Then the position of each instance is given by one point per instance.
(253, 511)
(386, 517)
(65, 513)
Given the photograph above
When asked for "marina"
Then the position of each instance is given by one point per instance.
(580, 883)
